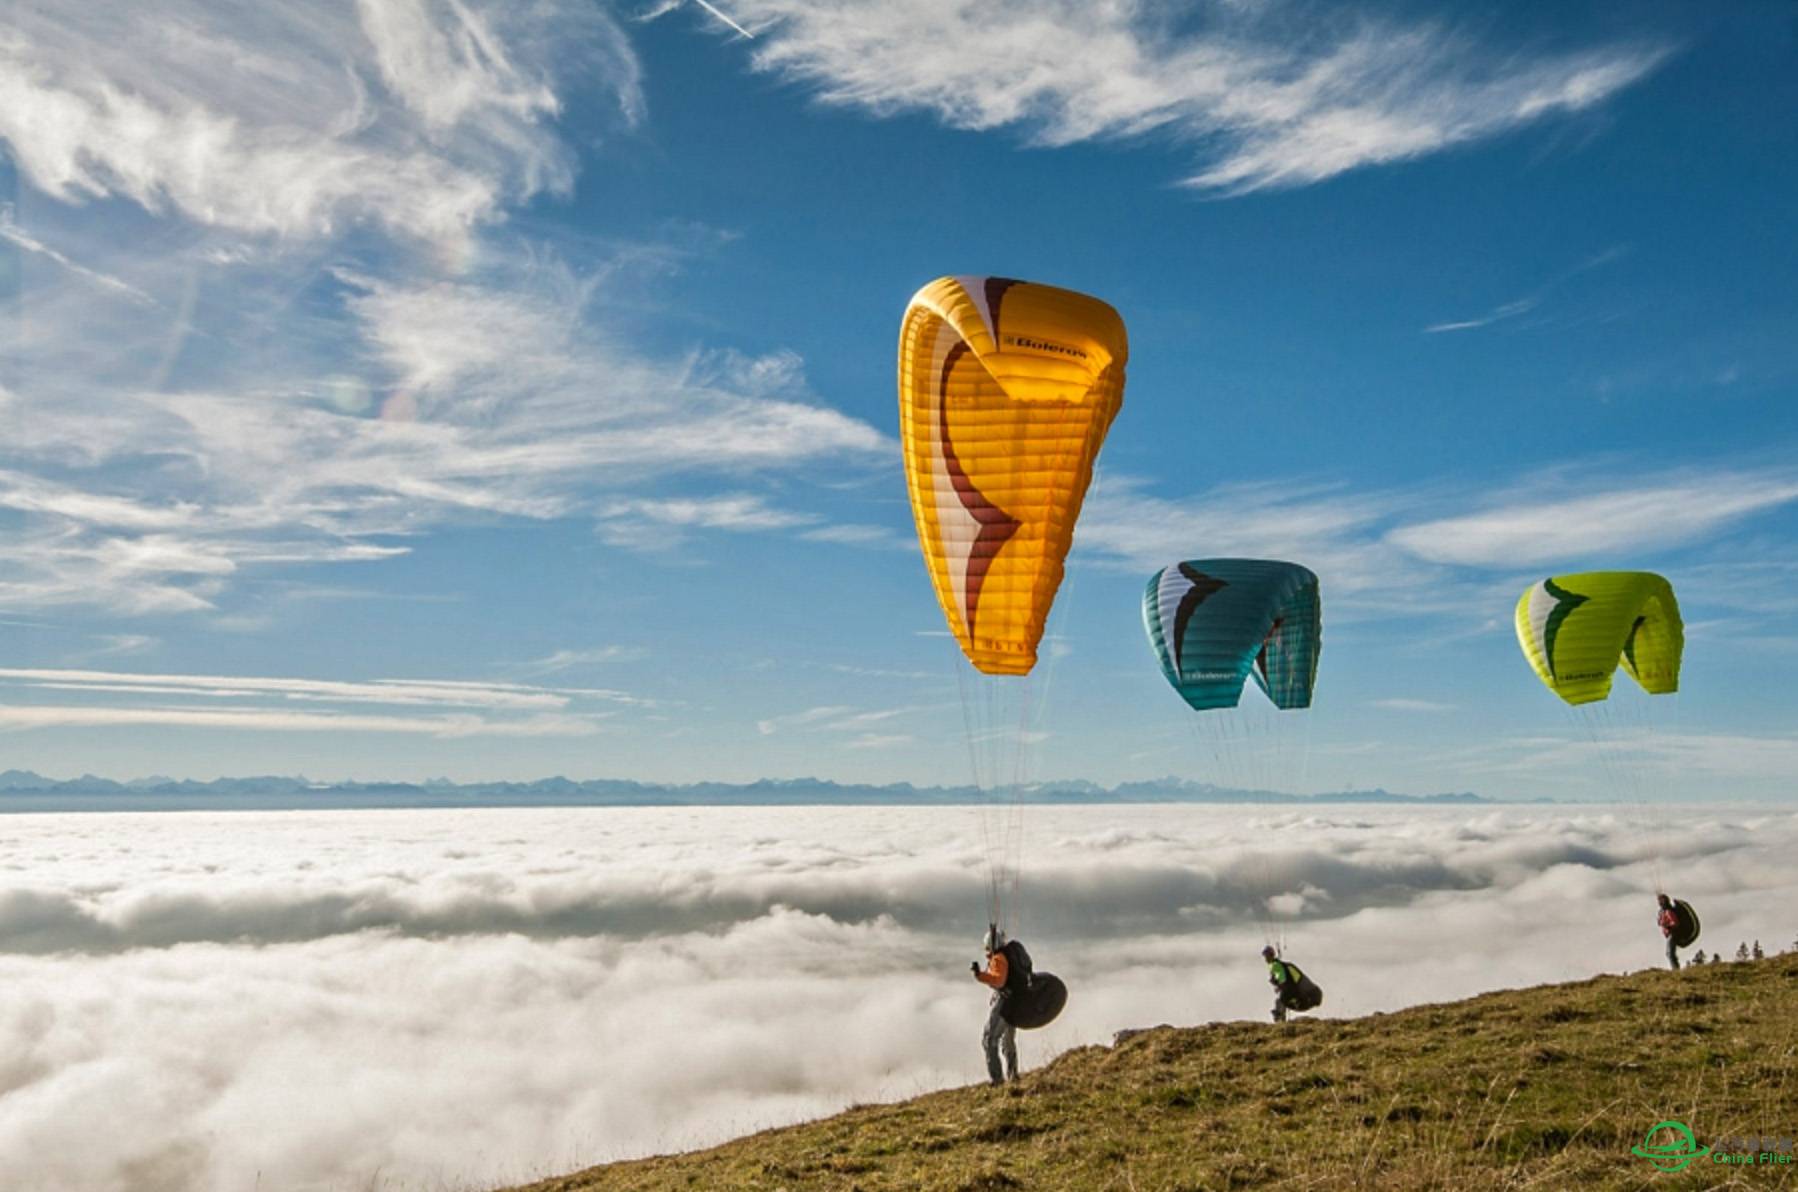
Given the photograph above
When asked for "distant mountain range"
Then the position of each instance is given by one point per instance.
(22, 790)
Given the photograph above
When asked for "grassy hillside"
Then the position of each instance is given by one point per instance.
(1547, 1088)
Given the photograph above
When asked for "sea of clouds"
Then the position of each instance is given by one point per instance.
(454, 999)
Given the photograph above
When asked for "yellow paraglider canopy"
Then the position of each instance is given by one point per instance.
(1576, 629)
(1006, 390)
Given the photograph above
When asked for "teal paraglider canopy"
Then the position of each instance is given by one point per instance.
(1215, 622)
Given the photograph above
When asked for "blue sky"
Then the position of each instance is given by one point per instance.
(404, 389)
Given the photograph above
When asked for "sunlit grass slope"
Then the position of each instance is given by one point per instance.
(1545, 1088)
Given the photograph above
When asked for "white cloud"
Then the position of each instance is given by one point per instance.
(241, 702)
(31, 494)
(1636, 753)
(1272, 518)
(12, 233)
(121, 643)
(1377, 553)
(1536, 528)
(862, 719)
(1411, 705)
(774, 724)
(282, 720)
(1277, 97)
(561, 660)
(839, 718)
(491, 398)
(724, 17)
(1507, 310)
(881, 741)
(1333, 530)
(876, 672)
(475, 997)
(196, 166)
(1761, 581)
(419, 116)
(380, 691)
(1529, 302)
(860, 535)
(656, 523)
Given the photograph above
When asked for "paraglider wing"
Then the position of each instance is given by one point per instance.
(1215, 622)
(1576, 629)
(1685, 932)
(1006, 390)
(1037, 1004)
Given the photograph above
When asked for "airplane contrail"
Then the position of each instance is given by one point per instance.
(709, 8)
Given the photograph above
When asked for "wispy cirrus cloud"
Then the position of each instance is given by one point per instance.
(63, 561)
(116, 645)
(1381, 551)
(1518, 307)
(1333, 529)
(838, 718)
(1400, 704)
(239, 360)
(482, 398)
(658, 523)
(724, 18)
(1656, 762)
(561, 660)
(1529, 529)
(1276, 97)
(1498, 314)
(881, 741)
(853, 534)
(288, 720)
(13, 234)
(69, 698)
(455, 692)
(774, 724)
(424, 118)
(1760, 582)
(26, 493)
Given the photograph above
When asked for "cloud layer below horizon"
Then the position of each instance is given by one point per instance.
(463, 998)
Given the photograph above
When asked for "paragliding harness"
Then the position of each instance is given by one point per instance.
(1685, 931)
(1017, 968)
(1029, 999)
(1298, 991)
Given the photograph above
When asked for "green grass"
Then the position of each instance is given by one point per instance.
(1537, 1088)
